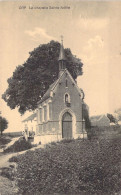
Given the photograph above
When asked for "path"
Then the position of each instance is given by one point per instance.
(7, 187)
(5, 157)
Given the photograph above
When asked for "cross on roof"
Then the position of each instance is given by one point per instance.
(62, 39)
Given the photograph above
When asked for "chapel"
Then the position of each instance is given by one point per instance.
(59, 112)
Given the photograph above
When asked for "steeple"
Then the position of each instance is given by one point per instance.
(62, 58)
(62, 52)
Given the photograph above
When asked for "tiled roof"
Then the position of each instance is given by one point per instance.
(31, 117)
(96, 117)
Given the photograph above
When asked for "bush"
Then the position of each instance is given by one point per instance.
(4, 140)
(53, 143)
(13, 159)
(18, 146)
(90, 167)
(66, 141)
(8, 172)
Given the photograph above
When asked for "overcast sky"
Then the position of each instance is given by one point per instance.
(92, 30)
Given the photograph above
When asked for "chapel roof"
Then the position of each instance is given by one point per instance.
(53, 86)
(31, 117)
(47, 94)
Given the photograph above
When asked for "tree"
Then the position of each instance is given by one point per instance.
(86, 117)
(3, 124)
(111, 118)
(87, 121)
(31, 80)
(118, 114)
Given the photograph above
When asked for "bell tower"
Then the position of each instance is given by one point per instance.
(62, 58)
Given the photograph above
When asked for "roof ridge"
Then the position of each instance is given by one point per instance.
(97, 117)
(74, 82)
(58, 80)
(56, 83)
(66, 70)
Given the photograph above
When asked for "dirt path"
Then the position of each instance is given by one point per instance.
(4, 158)
(7, 187)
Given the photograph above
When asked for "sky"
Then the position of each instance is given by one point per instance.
(91, 29)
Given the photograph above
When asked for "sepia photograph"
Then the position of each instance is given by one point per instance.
(60, 97)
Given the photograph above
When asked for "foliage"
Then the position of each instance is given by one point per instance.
(106, 132)
(119, 117)
(118, 114)
(32, 79)
(8, 172)
(4, 140)
(3, 124)
(13, 159)
(86, 116)
(66, 141)
(18, 146)
(78, 167)
(87, 121)
(111, 118)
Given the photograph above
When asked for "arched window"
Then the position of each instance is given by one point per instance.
(67, 98)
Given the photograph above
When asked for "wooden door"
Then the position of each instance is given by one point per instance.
(67, 126)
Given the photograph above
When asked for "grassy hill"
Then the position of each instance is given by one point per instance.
(72, 167)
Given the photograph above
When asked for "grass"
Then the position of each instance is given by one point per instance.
(72, 167)
(4, 140)
(7, 172)
(19, 145)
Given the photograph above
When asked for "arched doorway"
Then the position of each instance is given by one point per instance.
(67, 125)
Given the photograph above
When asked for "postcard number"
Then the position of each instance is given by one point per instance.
(22, 7)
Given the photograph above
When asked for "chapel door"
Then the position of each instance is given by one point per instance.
(67, 126)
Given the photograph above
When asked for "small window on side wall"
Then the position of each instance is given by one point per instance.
(66, 83)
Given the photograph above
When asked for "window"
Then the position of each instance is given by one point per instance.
(42, 114)
(40, 117)
(67, 98)
(48, 115)
(66, 83)
(45, 113)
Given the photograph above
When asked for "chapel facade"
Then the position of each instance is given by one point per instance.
(59, 112)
